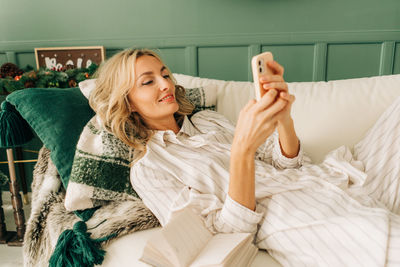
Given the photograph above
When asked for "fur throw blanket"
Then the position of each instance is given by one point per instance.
(49, 217)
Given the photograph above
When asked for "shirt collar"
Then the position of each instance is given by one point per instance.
(187, 128)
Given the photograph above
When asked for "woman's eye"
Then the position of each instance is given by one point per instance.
(166, 76)
(147, 83)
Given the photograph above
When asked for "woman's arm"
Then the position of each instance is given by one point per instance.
(241, 182)
(288, 140)
(257, 121)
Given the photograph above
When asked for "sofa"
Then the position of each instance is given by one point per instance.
(326, 115)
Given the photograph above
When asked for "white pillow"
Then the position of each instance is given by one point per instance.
(87, 86)
(231, 95)
(326, 114)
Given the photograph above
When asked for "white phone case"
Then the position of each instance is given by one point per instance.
(259, 68)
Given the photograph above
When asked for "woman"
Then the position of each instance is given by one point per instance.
(254, 178)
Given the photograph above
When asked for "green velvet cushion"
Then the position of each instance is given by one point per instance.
(58, 117)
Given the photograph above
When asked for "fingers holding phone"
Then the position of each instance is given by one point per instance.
(260, 69)
(276, 82)
(269, 75)
(275, 68)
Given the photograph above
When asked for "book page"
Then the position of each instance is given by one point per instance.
(182, 238)
(244, 257)
(221, 247)
(154, 256)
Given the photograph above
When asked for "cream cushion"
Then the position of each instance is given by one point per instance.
(326, 114)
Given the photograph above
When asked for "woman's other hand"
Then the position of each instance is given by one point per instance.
(257, 121)
(277, 82)
(287, 135)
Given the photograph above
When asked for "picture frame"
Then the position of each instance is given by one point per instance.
(58, 58)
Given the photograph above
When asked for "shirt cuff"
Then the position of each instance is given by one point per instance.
(239, 217)
(282, 162)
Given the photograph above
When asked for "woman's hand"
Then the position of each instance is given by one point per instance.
(276, 81)
(257, 121)
(287, 135)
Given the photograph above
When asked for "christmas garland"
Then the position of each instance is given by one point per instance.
(12, 78)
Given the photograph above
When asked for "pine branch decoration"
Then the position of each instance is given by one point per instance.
(12, 78)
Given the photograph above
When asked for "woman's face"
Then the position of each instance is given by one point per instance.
(153, 94)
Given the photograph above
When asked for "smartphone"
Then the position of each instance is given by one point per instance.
(259, 68)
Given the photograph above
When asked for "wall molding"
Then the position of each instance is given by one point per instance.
(189, 45)
(320, 61)
(242, 39)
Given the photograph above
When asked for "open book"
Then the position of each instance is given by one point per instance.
(185, 241)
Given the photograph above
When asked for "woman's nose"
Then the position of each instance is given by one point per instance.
(164, 85)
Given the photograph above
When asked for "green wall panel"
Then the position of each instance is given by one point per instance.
(296, 59)
(110, 52)
(396, 67)
(24, 59)
(347, 61)
(227, 63)
(174, 58)
(3, 58)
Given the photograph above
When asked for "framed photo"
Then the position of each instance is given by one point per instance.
(69, 57)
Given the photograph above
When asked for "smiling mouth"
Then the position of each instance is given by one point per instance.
(167, 98)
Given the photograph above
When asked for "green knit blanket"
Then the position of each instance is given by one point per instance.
(100, 170)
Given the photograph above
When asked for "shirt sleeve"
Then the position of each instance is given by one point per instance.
(163, 194)
(271, 153)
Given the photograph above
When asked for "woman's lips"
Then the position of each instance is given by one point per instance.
(167, 98)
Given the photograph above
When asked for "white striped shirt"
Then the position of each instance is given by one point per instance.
(306, 215)
(192, 168)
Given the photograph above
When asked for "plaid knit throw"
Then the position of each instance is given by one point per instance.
(100, 171)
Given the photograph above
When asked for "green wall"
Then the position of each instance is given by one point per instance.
(47, 20)
(314, 39)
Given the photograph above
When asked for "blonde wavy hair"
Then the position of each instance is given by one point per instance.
(109, 99)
